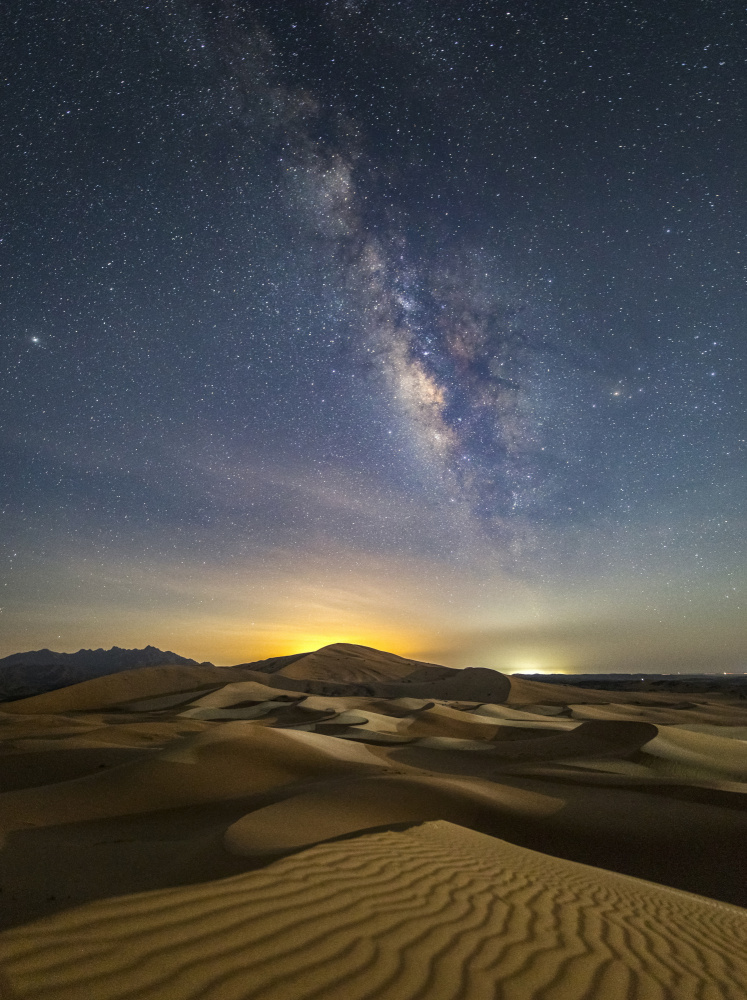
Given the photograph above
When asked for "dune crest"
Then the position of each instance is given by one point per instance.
(344, 662)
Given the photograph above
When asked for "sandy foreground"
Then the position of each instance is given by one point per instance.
(327, 830)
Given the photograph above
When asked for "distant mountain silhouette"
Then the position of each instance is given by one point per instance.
(25, 674)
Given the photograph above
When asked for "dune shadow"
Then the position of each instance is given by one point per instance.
(47, 869)
(47, 767)
(682, 837)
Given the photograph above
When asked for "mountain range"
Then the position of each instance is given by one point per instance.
(25, 674)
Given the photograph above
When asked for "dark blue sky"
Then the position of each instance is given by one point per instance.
(414, 324)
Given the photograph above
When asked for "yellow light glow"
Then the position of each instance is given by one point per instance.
(528, 668)
(304, 641)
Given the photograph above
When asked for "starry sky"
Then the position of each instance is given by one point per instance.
(415, 324)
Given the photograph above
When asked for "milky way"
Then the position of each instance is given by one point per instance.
(475, 376)
(305, 302)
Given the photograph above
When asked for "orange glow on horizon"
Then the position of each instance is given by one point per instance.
(285, 604)
(263, 645)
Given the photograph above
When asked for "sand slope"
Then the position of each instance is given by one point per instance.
(101, 692)
(228, 761)
(334, 808)
(346, 663)
(344, 669)
(436, 912)
(705, 751)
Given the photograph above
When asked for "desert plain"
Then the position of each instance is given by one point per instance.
(352, 824)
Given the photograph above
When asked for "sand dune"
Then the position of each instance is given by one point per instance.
(366, 720)
(230, 760)
(705, 751)
(434, 912)
(257, 711)
(241, 693)
(661, 713)
(129, 685)
(18, 726)
(726, 732)
(334, 808)
(343, 669)
(38, 767)
(345, 663)
(552, 714)
(590, 739)
(163, 702)
(169, 777)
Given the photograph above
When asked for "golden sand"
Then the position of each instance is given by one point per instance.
(434, 912)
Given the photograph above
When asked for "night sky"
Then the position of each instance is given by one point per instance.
(417, 324)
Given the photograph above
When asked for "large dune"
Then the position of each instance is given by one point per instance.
(549, 813)
(345, 663)
(434, 912)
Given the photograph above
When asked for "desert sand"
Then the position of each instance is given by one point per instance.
(349, 823)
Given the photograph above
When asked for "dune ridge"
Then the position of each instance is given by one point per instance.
(359, 664)
(347, 670)
(432, 913)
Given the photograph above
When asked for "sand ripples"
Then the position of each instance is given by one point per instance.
(433, 912)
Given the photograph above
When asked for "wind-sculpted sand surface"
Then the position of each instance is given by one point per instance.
(350, 823)
(433, 912)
